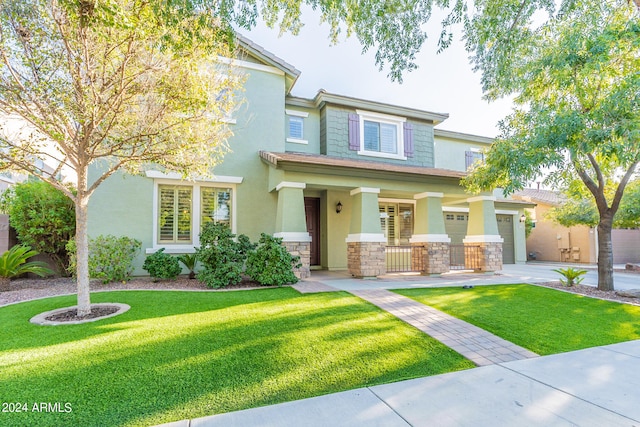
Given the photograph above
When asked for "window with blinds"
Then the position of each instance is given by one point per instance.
(215, 205)
(175, 216)
(396, 221)
(296, 127)
(381, 137)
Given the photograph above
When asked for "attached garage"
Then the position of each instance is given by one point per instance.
(456, 226)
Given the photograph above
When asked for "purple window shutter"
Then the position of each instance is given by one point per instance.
(408, 139)
(354, 132)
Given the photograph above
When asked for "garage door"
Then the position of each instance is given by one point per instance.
(505, 228)
(456, 226)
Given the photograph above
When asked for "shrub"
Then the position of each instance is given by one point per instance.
(161, 265)
(189, 261)
(110, 257)
(271, 263)
(572, 275)
(43, 217)
(221, 256)
(14, 263)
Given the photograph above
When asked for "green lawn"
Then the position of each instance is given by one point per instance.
(179, 355)
(543, 320)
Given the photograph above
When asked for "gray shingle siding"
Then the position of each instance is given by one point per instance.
(334, 139)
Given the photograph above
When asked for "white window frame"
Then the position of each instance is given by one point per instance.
(397, 121)
(196, 219)
(300, 114)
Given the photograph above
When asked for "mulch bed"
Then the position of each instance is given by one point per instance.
(72, 314)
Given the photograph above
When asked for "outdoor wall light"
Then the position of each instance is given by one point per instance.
(339, 207)
(523, 218)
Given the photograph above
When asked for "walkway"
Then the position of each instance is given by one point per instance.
(481, 347)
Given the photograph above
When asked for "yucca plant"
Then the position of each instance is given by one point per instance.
(189, 261)
(14, 263)
(572, 275)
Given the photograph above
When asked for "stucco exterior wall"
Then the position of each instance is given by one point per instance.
(450, 153)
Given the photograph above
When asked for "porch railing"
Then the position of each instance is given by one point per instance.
(404, 259)
(464, 257)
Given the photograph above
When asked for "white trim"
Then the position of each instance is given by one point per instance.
(454, 209)
(297, 141)
(481, 199)
(290, 184)
(483, 238)
(295, 113)
(396, 121)
(475, 150)
(172, 249)
(250, 65)
(403, 201)
(427, 194)
(506, 212)
(381, 116)
(293, 236)
(364, 190)
(366, 238)
(383, 155)
(430, 238)
(176, 176)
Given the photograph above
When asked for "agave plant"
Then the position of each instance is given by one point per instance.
(189, 261)
(572, 275)
(14, 263)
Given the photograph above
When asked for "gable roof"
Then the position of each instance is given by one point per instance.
(268, 58)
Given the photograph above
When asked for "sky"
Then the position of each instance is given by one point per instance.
(443, 83)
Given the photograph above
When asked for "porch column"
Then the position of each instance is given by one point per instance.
(291, 224)
(482, 233)
(365, 243)
(430, 235)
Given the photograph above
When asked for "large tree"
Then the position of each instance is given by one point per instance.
(121, 82)
(578, 114)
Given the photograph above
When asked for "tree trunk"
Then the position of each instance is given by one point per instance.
(605, 256)
(82, 254)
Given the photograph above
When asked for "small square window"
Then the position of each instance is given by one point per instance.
(460, 218)
(450, 217)
(296, 127)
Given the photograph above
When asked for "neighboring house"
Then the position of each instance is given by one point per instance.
(340, 179)
(549, 241)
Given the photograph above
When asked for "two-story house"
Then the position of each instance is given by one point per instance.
(343, 181)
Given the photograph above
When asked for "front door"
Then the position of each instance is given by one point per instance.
(312, 212)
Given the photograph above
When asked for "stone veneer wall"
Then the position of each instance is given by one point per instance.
(436, 257)
(490, 256)
(303, 250)
(366, 259)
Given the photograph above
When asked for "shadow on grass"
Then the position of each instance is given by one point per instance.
(225, 353)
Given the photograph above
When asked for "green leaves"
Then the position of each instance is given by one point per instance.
(14, 263)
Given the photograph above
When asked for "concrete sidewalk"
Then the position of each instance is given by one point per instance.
(593, 387)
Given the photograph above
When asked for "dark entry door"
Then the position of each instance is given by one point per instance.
(312, 211)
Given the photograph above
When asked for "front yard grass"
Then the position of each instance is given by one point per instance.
(543, 320)
(178, 355)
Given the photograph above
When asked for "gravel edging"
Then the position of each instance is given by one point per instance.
(590, 291)
(32, 289)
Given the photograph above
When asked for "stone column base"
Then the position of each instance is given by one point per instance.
(489, 256)
(366, 259)
(435, 257)
(302, 250)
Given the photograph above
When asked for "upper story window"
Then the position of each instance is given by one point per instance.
(380, 135)
(295, 126)
(472, 157)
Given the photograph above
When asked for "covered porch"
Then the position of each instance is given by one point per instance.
(367, 217)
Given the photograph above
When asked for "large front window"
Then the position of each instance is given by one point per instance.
(183, 210)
